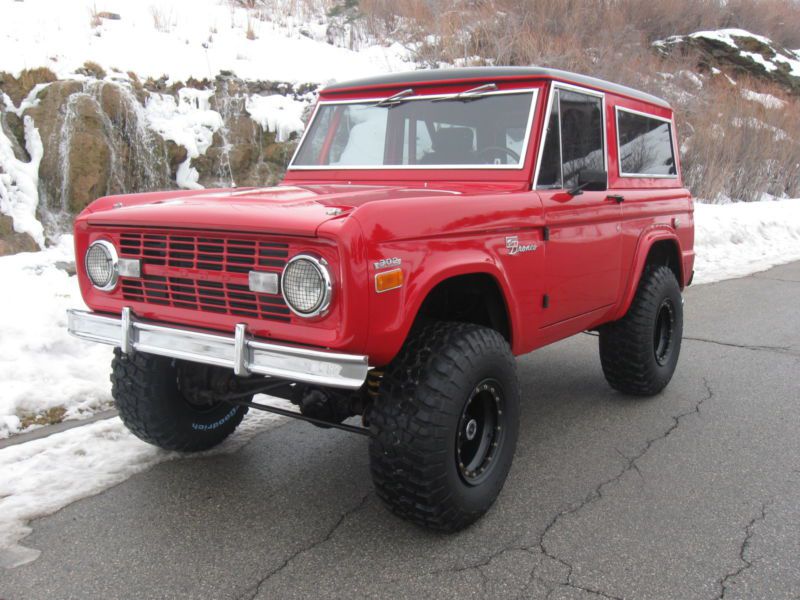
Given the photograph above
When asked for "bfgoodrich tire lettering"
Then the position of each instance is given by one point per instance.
(639, 352)
(419, 414)
(150, 403)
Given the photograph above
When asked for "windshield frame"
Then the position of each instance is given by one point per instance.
(534, 91)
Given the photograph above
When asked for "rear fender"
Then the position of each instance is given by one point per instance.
(648, 238)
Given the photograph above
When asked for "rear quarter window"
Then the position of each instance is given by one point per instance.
(645, 145)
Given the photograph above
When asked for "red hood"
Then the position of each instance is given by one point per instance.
(290, 210)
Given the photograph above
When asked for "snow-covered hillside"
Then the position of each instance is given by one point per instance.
(118, 80)
(181, 39)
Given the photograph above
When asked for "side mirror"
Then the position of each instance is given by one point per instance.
(590, 180)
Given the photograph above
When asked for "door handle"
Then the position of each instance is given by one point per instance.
(616, 198)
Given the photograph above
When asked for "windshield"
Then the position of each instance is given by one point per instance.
(489, 131)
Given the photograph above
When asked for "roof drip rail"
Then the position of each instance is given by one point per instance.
(398, 98)
(471, 94)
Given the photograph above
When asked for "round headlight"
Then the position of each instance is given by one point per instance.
(101, 265)
(306, 285)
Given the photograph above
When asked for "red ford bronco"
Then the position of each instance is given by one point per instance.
(431, 226)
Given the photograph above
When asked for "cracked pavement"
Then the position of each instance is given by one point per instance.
(692, 494)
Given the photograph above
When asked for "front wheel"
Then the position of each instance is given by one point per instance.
(639, 352)
(170, 403)
(445, 425)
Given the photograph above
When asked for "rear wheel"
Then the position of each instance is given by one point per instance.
(639, 352)
(171, 404)
(445, 425)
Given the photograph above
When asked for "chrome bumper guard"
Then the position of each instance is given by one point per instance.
(238, 352)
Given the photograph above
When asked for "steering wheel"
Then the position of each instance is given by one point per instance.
(496, 150)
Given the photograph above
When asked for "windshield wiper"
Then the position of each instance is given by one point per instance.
(472, 94)
(398, 98)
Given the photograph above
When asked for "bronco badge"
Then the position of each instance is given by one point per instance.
(514, 247)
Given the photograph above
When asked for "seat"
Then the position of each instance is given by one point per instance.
(451, 146)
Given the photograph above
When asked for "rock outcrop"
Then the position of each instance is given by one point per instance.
(11, 241)
(241, 152)
(96, 142)
(100, 137)
(739, 52)
(20, 157)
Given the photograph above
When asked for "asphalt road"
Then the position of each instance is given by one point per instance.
(692, 494)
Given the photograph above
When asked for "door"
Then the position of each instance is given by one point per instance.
(584, 251)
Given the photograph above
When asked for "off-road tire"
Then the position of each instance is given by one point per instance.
(629, 348)
(415, 422)
(150, 403)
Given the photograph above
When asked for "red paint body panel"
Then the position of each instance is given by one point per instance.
(440, 223)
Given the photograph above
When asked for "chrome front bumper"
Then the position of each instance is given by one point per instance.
(238, 352)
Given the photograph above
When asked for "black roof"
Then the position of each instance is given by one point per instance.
(490, 74)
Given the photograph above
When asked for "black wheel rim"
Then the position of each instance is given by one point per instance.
(663, 332)
(191, 390)
(480, 432)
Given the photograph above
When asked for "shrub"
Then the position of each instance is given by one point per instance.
(733, 147)
(163, 21)
(92, 69)
(739, 149)
(95, 20)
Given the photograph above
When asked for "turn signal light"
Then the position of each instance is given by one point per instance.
(388, 280)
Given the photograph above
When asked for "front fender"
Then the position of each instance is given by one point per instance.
(392, 313)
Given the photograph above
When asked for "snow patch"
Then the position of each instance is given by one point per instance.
(734, 240)
(766, 100)
(30, 101)
(279, 114)
(189, 122)
(726, 36)
(778, 134)
(19, 181)
(41, 366)
(694, 78)
(769, 66)
(769, 63)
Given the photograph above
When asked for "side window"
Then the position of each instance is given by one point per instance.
(574, 139)
(550, 169)
(581, 135)
(645, 145)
